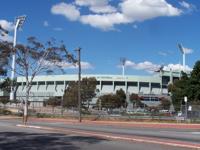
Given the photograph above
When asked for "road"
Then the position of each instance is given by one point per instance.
(12, 137)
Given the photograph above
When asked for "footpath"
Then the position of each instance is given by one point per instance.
(113, 123)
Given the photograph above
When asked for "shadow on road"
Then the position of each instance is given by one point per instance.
(43, 141)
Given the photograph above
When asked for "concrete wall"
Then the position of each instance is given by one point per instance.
(55, 85)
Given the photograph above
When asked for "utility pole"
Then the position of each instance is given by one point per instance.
(79, 83)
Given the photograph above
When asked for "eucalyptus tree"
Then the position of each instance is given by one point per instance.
(188, 85)
(34, 58)
(88, 91)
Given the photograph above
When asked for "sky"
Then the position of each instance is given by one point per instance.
(143, 32)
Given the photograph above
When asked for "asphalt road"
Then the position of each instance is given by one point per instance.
(14, 138)
(186, 135)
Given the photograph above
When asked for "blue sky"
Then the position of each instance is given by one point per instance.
(145, 32)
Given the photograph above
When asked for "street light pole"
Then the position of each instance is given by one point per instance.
(79, 83)
(19, 22)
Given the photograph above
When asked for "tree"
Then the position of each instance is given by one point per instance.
(5, 52)
(110, 101)
(53, 102)
(194, 82)
(121, 97)
(179, 90)
(88, 88)
(165, 104)
(4, 100)
(70, 98)
(5, 85)
(135, 99)
(35, 58)
(186, 86)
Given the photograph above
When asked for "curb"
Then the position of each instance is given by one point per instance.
(127, 124)
(115, 137)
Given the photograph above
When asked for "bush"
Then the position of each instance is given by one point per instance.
(5, 112)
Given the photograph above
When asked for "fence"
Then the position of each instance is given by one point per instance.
(137, 113)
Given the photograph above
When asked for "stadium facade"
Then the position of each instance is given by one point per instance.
(151, 88)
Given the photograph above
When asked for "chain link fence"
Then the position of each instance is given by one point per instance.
(190, 113)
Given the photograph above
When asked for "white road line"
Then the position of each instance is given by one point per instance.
(195, 132)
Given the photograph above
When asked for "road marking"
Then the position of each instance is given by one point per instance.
(28, 126)
(195, 132)
(115, 137)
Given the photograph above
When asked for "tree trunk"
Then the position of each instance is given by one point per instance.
(25, 118)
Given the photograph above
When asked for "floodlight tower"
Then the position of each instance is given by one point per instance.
(181, 48)
(123, 63)
(18, 24)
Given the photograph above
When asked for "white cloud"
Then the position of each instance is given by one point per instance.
(103, 9)
(105, 21)
(151, 67)
(97, 6)
(105, 16)
(91, 2)
(140, 10)
(185, 4)
(9, 26)
(176, 67)
(6, 38)
(66, 65)
(84, 65)
(129, 63)
(68, 10)
(146, 66)
(162, 53)
(45, 23)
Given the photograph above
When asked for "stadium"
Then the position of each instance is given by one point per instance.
(151, 88)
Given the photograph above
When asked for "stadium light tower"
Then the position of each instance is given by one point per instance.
(18, 24)
(181, 48)
(123, 63)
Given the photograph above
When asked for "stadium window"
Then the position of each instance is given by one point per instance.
(41, 83)
(50, 82)
(34, 83)
(59, 82)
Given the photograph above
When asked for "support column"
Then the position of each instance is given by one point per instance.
(138, 86)
(149, 87)
(113, 84)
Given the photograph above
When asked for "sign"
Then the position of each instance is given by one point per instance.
(190, 108)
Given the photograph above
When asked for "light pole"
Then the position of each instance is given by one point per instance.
(79, 83)
(123, 63)
(183, 53)
(185, 100)
(19, 22)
